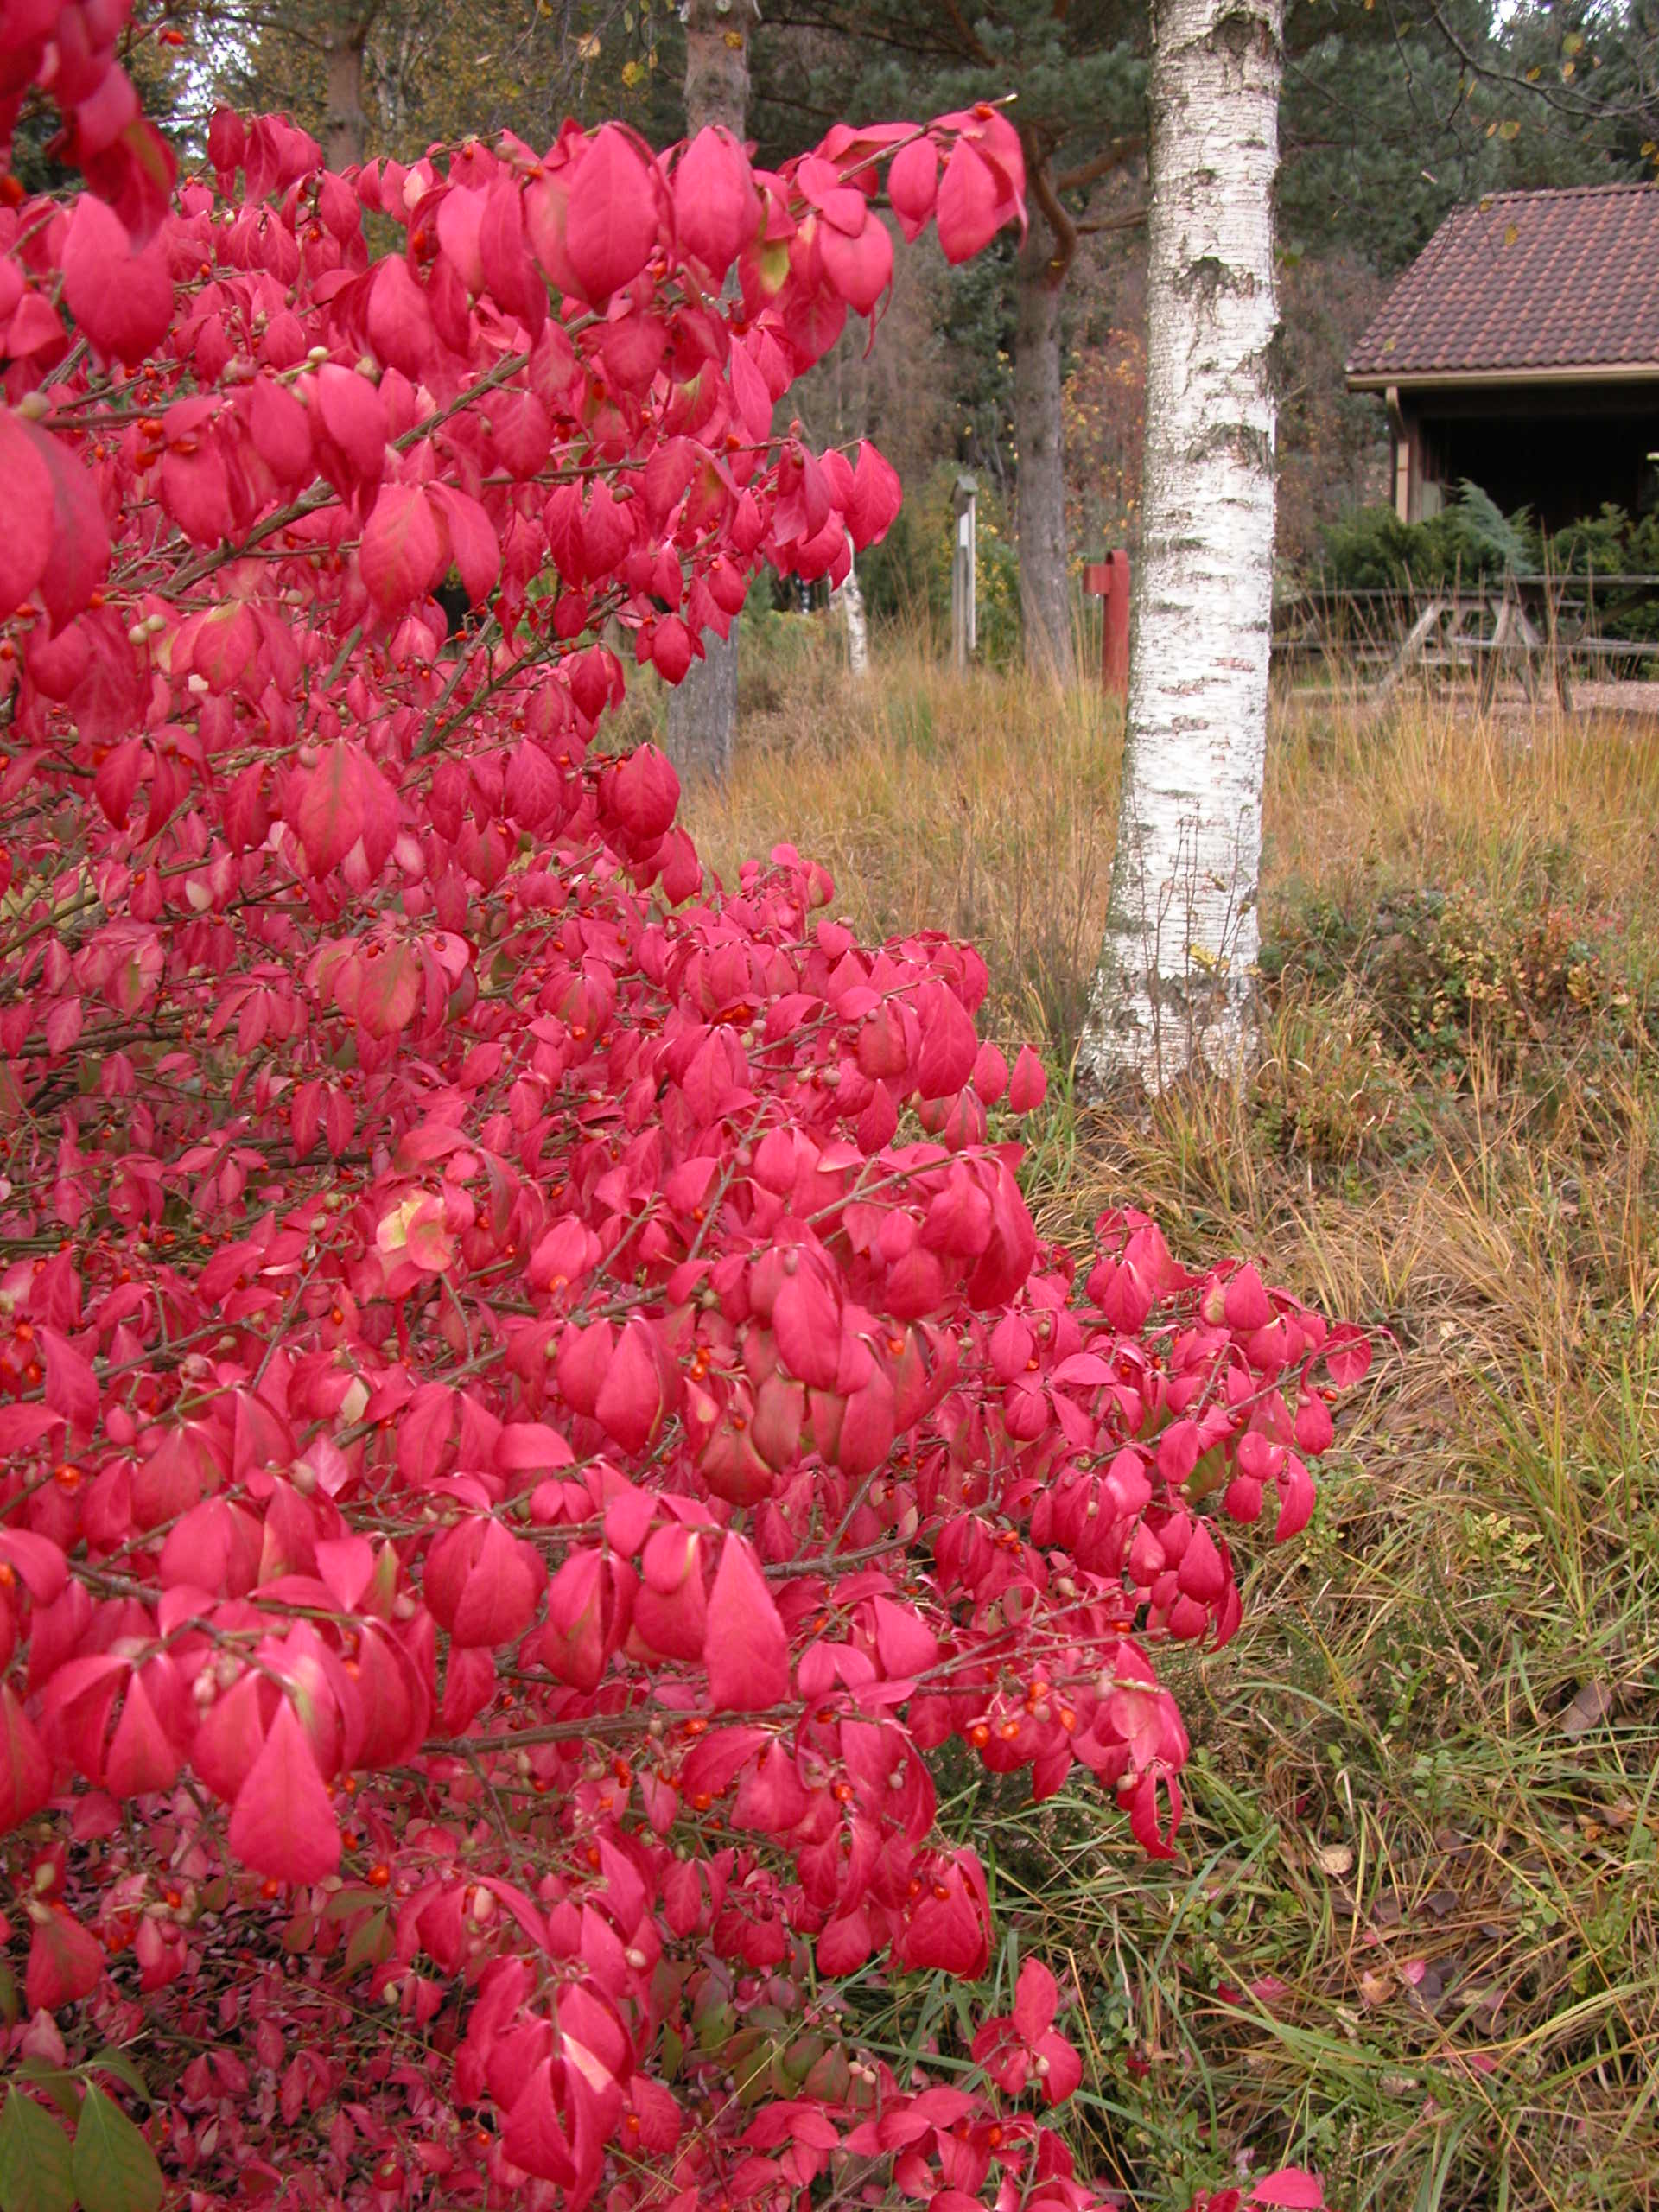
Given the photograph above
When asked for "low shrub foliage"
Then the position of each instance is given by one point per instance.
(533, 1408)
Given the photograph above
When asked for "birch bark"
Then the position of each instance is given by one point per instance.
(1176, 975)
(848, 598)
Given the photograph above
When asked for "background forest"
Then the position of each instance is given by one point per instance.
(1394, 111)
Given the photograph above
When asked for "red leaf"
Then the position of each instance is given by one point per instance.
(747, 1650)
(64, 1961)
(388, 990)
(1291, 2188)
(716, 208)
(122, 300)
(354, 416)
(969, 204)
(403, 551)
(860, 267)
(913, 186)
(630, 1401)
(27, 539)
(329, 816)
(79, 539)
(71, 1386)
(1035, 1998)
(281, 430)
(142, 1756)
(283, 1823)
(25, 1770)
(612, 222)
(876, 496)
(472, 535)
(1029, 1085)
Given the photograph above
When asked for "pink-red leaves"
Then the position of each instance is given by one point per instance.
(472, 538)
(25, 1770)
(968, 204)
(26, 543)
(282, 1823)
(354, 416)
(122, 300)
(65, 1962)
(1023, 2049)
(416, 1205)
(913, 185)
(629, 1402)
(1291, 2188)
(330, 814)
(747, 1650)
(612, 222)
(875, 498)
(483, 1585)
(404, 549)
(1029, 1085)
(716, 208)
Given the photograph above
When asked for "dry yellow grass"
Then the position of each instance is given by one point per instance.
(978, 806)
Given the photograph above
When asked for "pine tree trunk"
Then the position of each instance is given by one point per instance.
(1176, 971)
(345, 128)
(1040, 443)
(703, 709)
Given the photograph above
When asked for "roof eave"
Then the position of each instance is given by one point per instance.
(1409, 379)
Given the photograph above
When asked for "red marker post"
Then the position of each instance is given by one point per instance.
(1109, 581)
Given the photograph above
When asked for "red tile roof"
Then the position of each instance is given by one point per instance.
(1526, 280)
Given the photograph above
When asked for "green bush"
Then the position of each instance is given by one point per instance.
(1469, 541)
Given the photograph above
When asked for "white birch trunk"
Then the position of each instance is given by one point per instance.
(849, 598)
(1176, 972)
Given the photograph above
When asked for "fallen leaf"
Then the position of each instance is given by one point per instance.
(1589, 1708)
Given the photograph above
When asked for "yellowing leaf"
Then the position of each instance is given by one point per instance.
(34, 2158)
(114, 2169)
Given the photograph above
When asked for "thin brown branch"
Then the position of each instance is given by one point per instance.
(1040, 183)
(1101, 164)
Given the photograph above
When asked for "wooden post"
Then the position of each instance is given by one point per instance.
(1109, 581)
(964, 614)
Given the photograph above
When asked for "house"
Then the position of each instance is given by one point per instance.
(1520, 350)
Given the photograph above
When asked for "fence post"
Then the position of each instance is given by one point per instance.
(1109, 581)
(964, 614)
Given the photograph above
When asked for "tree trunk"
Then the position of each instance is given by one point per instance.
(848, 598)
(346, 127)
(1040, 443)
(1176, 970)
(703, 709)
(717, 65)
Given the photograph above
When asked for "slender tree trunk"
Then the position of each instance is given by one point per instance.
(848, 598)
(346, 127)
(703, 709)
(1176, 975)
(1040, 443)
